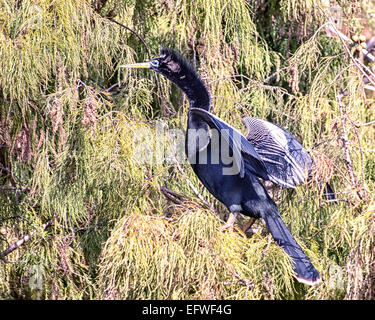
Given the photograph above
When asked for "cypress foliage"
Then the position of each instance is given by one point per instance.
(84, 183)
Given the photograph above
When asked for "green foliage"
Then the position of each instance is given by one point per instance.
(73, 129)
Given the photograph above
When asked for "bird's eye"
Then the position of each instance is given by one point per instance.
(154, 63)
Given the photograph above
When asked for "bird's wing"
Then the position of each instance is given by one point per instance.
(244, 154)
(287, 163)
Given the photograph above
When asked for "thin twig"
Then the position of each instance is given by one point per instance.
(345, 140)
(368, 87)
(362, 160)
(135, 33)
(241, 281)
(351, 42)
(369, 71)
(288, 67)
(10, 188)
(230, 99)
(365, 124)
(331, 27)
(337, 76)
(118, 84)
(276, 73)
(227, 77)
(18, 216)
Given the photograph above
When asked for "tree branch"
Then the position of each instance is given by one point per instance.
(345, 140)
(172, 196)
(20, 242)
(332, 28)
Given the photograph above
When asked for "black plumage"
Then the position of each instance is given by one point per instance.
(229, 164)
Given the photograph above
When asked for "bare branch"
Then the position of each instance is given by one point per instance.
(20, 242)
(332, 28)
(365, 124)
(368, 87)
(172, 196)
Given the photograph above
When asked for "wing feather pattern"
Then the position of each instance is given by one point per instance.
(244, 154)
(287, 163)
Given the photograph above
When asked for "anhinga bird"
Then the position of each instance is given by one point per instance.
(229, 164)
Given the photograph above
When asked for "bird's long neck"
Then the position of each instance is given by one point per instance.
(195, 90)
(197, 95)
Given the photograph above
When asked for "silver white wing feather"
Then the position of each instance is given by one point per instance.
(287, 162)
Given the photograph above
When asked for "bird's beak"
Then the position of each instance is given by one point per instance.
(144, 65)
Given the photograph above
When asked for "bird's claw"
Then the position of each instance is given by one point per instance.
(227, 226)
(230, 222)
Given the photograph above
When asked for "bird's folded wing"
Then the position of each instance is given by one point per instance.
(287, 163)
(244, 154)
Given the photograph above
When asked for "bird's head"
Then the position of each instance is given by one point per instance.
(170, 64)
(177, 69)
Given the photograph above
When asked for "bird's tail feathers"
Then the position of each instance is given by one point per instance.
(329, 193)
(305, 271)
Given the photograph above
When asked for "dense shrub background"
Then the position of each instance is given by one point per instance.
(72, 126)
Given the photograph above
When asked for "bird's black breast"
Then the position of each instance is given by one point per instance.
(232, 190)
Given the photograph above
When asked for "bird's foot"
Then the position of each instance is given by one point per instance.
(230, 222)
(227, 226)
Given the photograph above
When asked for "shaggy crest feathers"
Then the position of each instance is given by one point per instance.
(179, 59)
